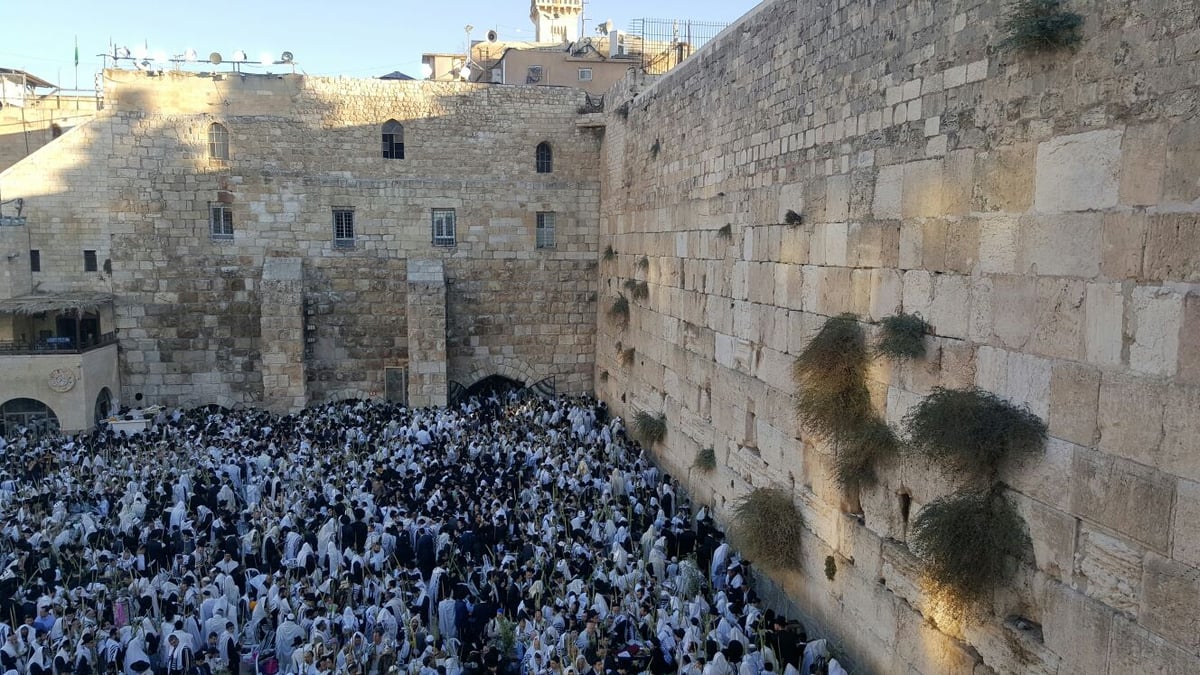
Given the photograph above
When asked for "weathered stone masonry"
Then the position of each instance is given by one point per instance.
(1040, 211)
(198, 317)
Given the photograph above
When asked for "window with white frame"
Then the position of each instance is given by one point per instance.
(545, 229)
(218, 141)
(443, 227)
(220, 221)
(343, 228)
(585, 74)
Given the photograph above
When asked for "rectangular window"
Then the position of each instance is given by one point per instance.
(585, 74)
(343, 228)
(220, 221)
(545, 229)
(89, 261)
(443, 227)
(35, 260)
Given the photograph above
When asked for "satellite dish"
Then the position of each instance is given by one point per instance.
(427, 70)
(286, 57)
(189, 55)
(465, 72)
(265, 59)
(491, 36)
(215, 58)
(239, 55)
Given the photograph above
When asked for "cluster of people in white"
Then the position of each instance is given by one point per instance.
(509, 535)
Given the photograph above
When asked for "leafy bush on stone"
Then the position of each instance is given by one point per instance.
(767, 527)
(964, 540)
(902, 336)
(1040, 25)
(972, 430)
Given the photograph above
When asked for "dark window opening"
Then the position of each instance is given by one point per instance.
(545, 158)
(35, 260)
(89, 262)
(393, 140)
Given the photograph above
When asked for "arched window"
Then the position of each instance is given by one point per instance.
(545, 158)
(218, 141)
(393, 140)
(27, 413)
(103, 405)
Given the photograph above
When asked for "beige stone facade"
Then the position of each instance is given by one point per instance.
(1040, 211)
(283, 310)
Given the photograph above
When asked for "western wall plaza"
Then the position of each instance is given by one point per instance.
(855, 337)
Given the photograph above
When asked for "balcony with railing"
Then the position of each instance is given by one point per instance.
(57, 346)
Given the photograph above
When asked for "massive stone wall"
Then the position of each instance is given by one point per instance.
(1039, 210)
(136, 185)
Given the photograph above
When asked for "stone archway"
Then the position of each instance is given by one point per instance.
(493, 384)
(29, 413)
(505, 366)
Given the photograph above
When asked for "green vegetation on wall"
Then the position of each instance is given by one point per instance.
(767, 527)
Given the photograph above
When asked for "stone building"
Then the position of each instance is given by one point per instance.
(1040, 210)
(274, 240)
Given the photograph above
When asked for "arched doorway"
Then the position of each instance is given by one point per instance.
(103, 405)
(492, 384)
(27, 413)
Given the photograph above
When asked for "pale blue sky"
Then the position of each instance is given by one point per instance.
(358, 38)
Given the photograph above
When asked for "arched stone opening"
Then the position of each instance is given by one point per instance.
(104, 405)
(493, 384)
(27, 413)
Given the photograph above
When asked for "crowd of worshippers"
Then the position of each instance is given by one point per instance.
(513, 535)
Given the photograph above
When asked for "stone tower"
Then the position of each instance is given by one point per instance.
(556, 20)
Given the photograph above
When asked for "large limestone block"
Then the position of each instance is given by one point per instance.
(1074, 401)
(1012, 301)
(1171, 601)
(1123, 245)
(1129, 498)
(1180, 452)
(1006, 178)
(888, 190)
(1185, 538)
(1045, 475)
(925, 189)
(1157, 318)
(1189, 341)
(1104, 306)
(1052, 534)
(1183, 162)
(1134, 649)
(1131, 417)
(1142, 166)
(1060, 318)
(1061, 244)
(837, 198)
(1109, 569)
(1078, 172)
(998, 247)
(1172, 253)
(886, 292)
(1077, 629)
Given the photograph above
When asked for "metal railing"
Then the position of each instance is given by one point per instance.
(664, 43)
(57, 345)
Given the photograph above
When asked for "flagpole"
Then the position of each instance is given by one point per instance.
(76, 63)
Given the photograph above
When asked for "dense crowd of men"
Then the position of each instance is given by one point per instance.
(508, 535)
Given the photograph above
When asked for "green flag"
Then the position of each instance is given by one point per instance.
(76, 51)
